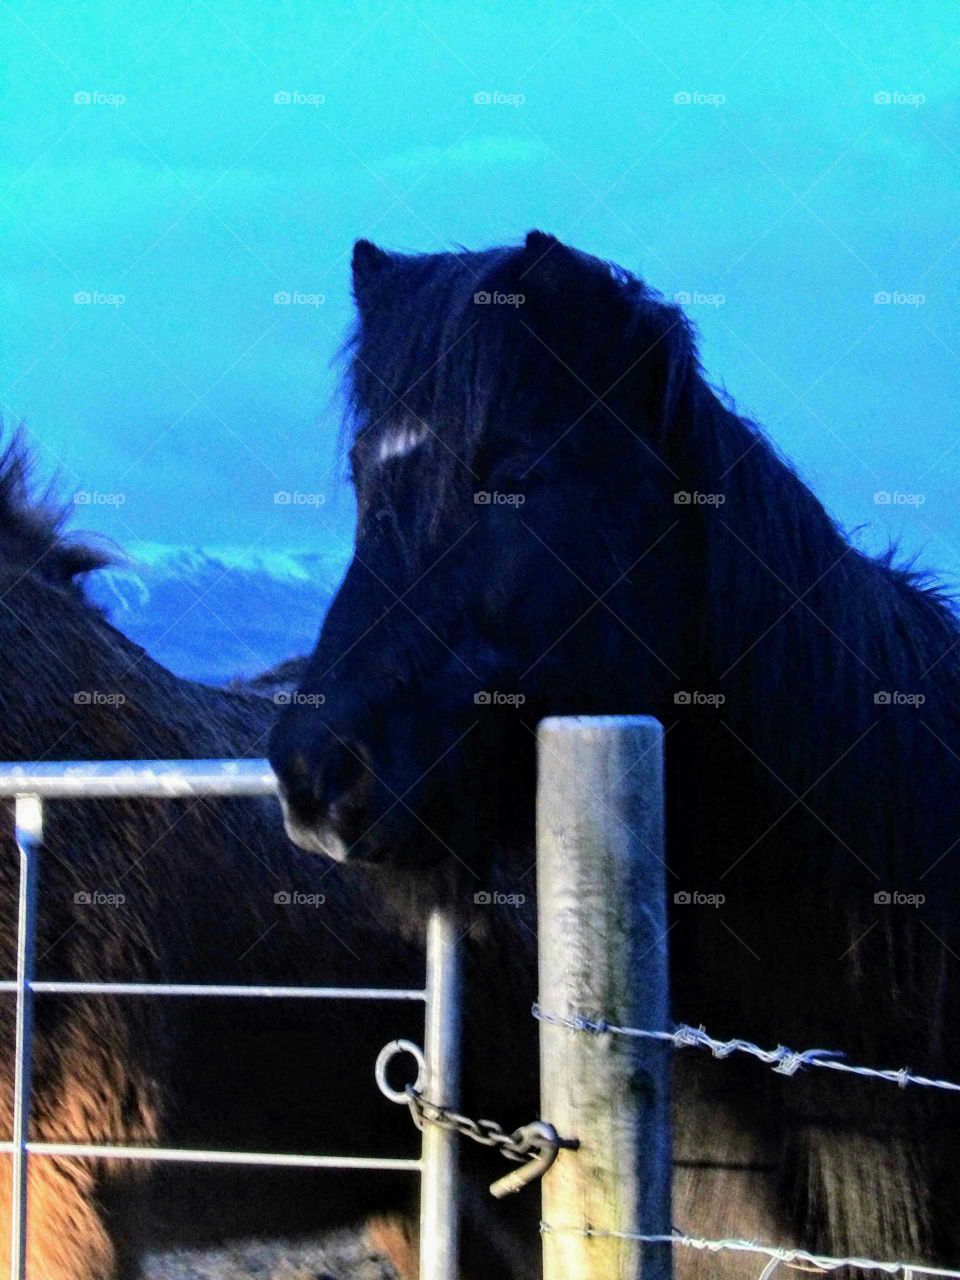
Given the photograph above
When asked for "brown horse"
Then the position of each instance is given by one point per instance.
(187, 891)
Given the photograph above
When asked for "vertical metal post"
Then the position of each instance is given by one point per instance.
(439, 1192)
(603, 954)
(28, 814)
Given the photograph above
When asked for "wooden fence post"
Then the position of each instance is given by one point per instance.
(603, 954)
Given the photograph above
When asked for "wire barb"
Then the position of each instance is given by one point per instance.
(776, 1253)
(786, 1062)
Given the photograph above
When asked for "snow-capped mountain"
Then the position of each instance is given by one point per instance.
(219, 613)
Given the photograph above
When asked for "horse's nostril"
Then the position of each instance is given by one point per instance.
(313, 785)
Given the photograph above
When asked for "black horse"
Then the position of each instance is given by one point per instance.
(557, 514)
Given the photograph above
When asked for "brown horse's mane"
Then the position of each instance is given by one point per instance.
(33, 533)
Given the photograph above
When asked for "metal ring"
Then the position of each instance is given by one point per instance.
(385, 1056)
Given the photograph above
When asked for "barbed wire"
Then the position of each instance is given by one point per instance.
(786, 1062)
(775, 1253)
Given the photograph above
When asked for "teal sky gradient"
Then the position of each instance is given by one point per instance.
(797, 197)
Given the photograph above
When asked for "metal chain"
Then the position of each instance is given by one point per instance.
(535, 1146)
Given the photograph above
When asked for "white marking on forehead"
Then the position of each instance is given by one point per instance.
(401, 441)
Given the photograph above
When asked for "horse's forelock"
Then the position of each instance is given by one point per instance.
(438, 378)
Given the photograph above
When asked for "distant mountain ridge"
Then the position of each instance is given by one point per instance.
(219, 613)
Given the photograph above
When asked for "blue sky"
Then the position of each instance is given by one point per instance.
(784, 187)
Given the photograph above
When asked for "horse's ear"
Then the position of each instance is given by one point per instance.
(539, 243)
(368, 260)
(547, 261)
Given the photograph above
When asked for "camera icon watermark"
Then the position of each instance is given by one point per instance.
(497, 698)
(96, 98)
(297, 498)
(298, 298)
(294, 698)
(897, 98)
(696, 98)
(897, 698)
(94, 498)
(686, 498)
(898, 498)
(98, 898)
(294, 898)
(697, 698)
(494, 498)
(294, 98)
(696, 898)
(483, 298)
(896, 898)
(98, 298)
(494, 98)
(697, 298)
(98, 698)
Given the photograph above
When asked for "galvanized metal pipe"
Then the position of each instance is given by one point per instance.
(163, 779)
(438, 1197)
(30, 784)
(28, 818)
(191, 1155)
(216, 989)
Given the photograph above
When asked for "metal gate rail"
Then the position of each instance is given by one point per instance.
(29, 784)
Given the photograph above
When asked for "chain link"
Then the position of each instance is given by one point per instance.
(535, 1145)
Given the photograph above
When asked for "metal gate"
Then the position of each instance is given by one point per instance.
(29, 785)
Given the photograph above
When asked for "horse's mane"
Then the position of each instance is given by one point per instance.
(788, 601)
(772, 531)
(484, 383)
(33, 537)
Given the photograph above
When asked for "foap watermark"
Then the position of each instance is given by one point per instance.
(295, 98)
(897, 98)
(697, 898)
(896, 898)
(294, 698)
(898, 298)
(98, 898)
(298, 298)
(496, 698)
(897, 698)
(97, 298)
(295, 498)
(494, 898)
(697, 298)
(484, 298)
(294, 898)
(98, 698)
(94, 498)
(897, 498)
(494, 498)
(96, 98)
(697, 98)
(686, 498)
(496, 98)
(697, 698)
